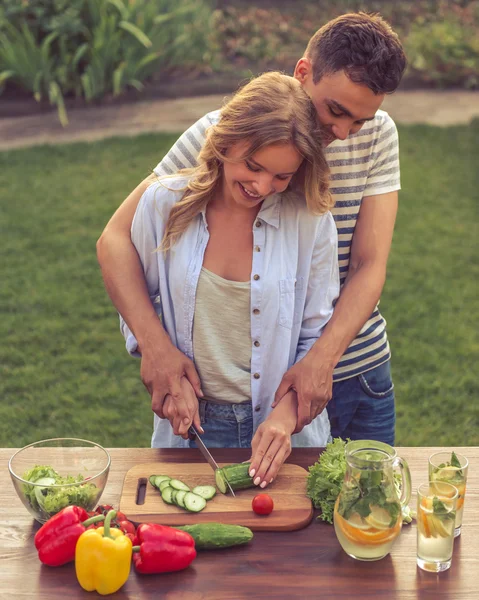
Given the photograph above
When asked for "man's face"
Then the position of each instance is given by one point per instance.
(342, 105)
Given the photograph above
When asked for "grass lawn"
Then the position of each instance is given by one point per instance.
(63, 367)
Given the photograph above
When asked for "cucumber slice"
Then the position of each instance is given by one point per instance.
(180, 498)
(205, 491)
(159, 479)
(166, 494)
(179, 485)
(220, 481)
(45, 482)
(193, 502)
(164, 484)
(173, 495)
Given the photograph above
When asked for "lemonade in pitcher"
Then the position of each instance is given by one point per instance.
(367, 513)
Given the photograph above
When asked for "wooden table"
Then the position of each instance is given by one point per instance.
(302, 564)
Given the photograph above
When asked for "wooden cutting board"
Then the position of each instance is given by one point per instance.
(142, 503)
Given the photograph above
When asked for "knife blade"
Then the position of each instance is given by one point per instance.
(206, 454)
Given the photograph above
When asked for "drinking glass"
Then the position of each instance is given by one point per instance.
(451, 468)
(436, 515)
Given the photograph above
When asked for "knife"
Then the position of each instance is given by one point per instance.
(206, 454)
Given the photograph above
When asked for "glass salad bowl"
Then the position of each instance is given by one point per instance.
(51, 474)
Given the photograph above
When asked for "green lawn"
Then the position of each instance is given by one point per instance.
(63, 367)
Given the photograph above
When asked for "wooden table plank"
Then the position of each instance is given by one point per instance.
(308, 563)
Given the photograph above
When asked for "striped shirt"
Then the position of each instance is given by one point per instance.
(365, 164)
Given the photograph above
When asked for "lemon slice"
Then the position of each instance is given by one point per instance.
(426, 505)
(379, 518)
(445, 474)
(437, 524)
(358, 522)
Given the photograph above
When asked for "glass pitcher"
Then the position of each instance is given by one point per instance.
(367, 513)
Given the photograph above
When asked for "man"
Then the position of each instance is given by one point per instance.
(349, 66)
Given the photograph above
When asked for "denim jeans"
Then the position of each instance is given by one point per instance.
(226, 425)
(362, 407)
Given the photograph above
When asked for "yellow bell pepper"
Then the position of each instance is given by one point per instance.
(103, 558)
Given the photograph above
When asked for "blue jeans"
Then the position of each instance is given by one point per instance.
(362, 407)
(226, 425)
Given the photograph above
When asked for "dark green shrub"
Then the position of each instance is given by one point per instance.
(444, 53)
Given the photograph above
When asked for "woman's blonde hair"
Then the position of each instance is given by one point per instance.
(271, 109)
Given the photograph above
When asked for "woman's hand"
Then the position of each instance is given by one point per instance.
(271, 444)
(174, 411)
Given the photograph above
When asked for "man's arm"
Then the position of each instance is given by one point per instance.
(121, 268)
(366, 276)
(162, 365)
(123, 274)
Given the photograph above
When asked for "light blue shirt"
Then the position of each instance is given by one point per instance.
(294, 283)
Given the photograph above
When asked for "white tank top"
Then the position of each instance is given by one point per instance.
(222, 338)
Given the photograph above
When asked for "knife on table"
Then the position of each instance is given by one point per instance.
(206, 454)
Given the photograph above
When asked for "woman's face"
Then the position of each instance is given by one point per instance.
(248, 182)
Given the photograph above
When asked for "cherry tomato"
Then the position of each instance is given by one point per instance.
(127, 527)
(120, 516)
(262, 504)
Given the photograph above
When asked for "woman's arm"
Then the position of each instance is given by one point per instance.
(271, 444)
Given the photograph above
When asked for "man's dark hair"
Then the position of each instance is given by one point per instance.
(363, 46)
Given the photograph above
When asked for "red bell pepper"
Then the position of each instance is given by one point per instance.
(56, 539)
(162, 549)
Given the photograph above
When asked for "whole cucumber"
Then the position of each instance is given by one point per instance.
(210, 536)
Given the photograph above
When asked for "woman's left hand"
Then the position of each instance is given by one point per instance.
(270, 447)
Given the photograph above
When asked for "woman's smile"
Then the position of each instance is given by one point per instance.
(248, 193)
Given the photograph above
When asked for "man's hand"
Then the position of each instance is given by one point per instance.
(164, 374)
(312, 379)
(174, 410)
(271, 444)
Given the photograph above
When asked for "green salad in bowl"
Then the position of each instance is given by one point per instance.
(52, 474)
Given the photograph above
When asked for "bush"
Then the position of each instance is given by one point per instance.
(440, 36)
(444, 53)
(90, 48)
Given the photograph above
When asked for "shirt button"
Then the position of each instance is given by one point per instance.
(257, 249)
(256, 277)
(258, 223)
(256, 375)
(256, 311)
(257, 408)
(256, 343)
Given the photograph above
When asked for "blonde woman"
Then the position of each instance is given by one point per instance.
(240, 259)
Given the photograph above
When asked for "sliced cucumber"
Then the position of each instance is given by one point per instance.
(220, 481)
(173, 495)
(178, 485)
(180, 498)
(159, 479)
(193, 502)
(166, 494)
(205, 491)
(164, 484)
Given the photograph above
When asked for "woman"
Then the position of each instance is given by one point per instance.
(240, 253)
